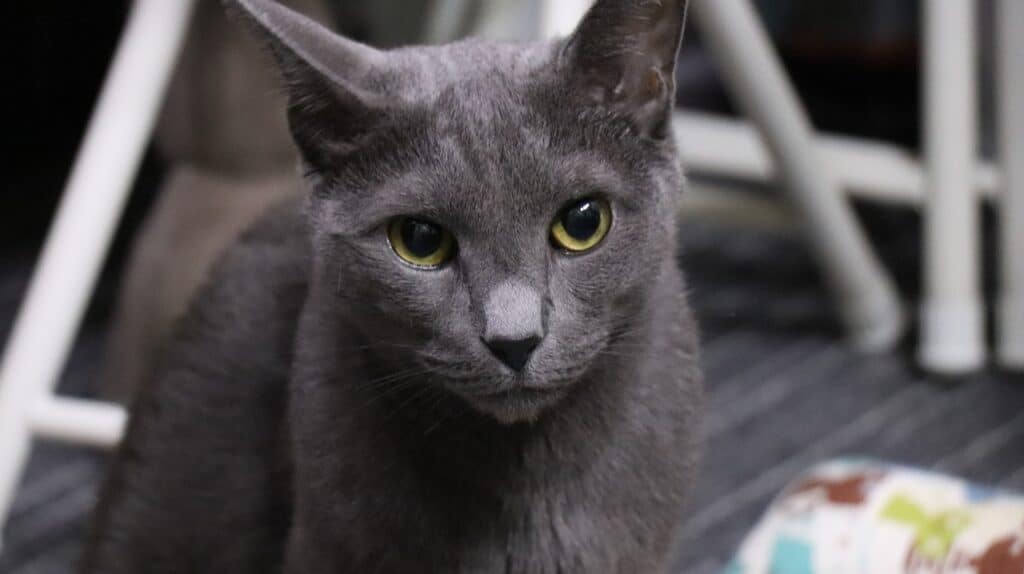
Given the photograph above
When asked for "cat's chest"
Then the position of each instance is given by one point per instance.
(543, 532)
(560, 524)
(594, 498)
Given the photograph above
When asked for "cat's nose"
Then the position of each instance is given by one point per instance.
(514, 323)
(513, 352)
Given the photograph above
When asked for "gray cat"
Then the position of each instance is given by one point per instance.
(468, 351)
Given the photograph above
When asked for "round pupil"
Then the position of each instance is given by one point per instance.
(422, 239)
(582, 220)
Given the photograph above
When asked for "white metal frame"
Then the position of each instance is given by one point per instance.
(865, 296)
(876, 171)
(952, 314)
(1010, 66)
(77, 244)
(817, 168)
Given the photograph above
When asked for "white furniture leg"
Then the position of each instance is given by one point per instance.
(77, 244)
(952, 316)
(868, 301)
(872, 170)
(1010, 93)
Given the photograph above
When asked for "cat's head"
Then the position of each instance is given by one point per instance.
(490, 215)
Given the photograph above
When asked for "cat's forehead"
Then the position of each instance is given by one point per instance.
(482, 100)
(473, 67)
(489, 128)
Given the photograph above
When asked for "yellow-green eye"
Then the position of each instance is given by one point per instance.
(582, 225)
(420, 243)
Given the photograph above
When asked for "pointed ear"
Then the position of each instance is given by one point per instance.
(332, 101)
(623, 56)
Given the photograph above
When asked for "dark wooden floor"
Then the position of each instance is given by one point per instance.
(785, 394)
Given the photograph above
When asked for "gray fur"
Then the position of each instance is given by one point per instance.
(327, 408)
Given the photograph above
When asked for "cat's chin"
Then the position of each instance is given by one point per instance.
(519, 405)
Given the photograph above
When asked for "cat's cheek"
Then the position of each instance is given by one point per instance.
(595, 279)
(370, 280)
(418, 294)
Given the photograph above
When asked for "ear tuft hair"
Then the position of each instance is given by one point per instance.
(331, 81)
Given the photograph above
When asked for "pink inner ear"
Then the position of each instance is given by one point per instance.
(641, 88)
(643, 95)
(654, 85)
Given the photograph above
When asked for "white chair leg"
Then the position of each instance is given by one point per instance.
(80, 235)
(77, 421)
(868, 301)
(952, 317)
(1011, 143)
(880, 172)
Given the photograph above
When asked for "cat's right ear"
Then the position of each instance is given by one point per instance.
(623, 57)
(332, 101)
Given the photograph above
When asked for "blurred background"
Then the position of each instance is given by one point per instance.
(787, 390)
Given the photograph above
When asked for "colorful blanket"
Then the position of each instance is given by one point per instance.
(862, 517)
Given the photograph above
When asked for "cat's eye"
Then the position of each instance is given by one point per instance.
(420, 242)
(582, 225)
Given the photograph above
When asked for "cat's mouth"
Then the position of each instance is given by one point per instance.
(508, 396)
(519, 403)
(522, 392)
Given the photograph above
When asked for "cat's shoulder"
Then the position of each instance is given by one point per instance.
(268, 261)
(277, 241)
(208, 423)
(244, 316)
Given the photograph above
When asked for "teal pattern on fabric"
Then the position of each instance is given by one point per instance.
(978, 493)
(792, 556)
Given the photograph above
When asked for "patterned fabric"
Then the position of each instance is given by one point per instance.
(860, 517)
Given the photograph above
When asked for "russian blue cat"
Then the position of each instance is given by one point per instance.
(468, 350)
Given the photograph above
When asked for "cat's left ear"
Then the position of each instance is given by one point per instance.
(623, 56)
(335, 88)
